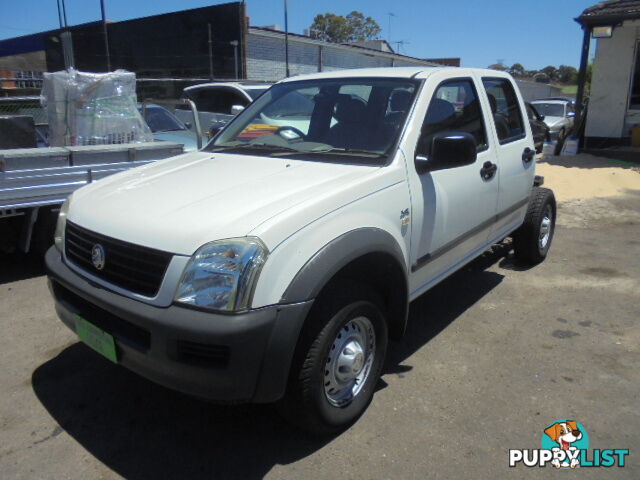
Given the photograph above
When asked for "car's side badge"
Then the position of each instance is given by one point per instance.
(405, 219)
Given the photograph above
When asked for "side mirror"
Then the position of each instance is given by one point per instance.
(236, 109)
(448, 150)
(571, 114)
(541, 118)
(188, 125)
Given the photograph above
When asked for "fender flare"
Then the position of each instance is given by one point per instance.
(338, 253)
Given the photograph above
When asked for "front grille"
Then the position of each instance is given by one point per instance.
(132, 267)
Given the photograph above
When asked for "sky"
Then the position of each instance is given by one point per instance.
(535, 33)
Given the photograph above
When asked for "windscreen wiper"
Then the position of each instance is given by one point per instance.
(257, 146)
(348, 151)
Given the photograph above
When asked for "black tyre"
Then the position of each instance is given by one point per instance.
(531, 242)
(43, 231)
(338, 361)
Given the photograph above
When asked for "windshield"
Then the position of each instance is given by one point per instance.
(161, 120)
(550, 109)
(341, 120)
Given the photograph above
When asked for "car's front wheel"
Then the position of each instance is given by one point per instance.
(338, 361)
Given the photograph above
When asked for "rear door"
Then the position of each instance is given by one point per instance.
(515, 153)
(453, 209)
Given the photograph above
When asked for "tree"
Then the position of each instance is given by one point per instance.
(517, 70)
(567, 75)
(587, 86)
(497, 66)
(551, 72)
(363, 28)
(355, 27)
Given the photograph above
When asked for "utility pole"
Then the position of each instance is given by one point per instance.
(234, 44)
(286, 36)
(210, 52)
(106, 35)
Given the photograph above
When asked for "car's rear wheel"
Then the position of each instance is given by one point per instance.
(531, 242)
(338, 361)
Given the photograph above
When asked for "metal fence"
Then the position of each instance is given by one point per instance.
(24, 106)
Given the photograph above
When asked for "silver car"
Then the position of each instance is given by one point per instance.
(219, 102)
(559, 115)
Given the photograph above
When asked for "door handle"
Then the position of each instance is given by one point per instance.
(488, 170)
(528, 155)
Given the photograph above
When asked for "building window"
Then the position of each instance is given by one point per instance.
(634, 101)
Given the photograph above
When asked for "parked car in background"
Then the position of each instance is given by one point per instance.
(540, 130)
(558, 114)
(219, 102)
(165, 126)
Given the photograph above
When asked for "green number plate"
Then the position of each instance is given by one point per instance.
(97, 339)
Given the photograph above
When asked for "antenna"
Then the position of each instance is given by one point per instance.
(401, 43)
(391, 14)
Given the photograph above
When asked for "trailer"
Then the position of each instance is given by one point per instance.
(35, 181)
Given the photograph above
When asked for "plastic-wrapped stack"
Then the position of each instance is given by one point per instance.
(93, 108)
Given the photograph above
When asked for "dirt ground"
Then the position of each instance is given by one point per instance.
(492, 355)
(584, 176)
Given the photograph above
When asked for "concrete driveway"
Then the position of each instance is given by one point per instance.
(492, 355)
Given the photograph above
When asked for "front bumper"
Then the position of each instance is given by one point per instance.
(241, 357)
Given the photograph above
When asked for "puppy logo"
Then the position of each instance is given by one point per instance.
(564, 434)
(565, 444)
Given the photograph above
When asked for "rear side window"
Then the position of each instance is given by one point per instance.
(453, 108)
(505, 109)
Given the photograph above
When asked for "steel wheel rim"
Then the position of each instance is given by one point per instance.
(545, 228)
(349, 361)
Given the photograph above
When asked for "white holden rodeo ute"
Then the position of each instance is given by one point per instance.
(275, 264)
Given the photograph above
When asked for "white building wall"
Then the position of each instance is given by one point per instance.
(609, 115)
(266, 57)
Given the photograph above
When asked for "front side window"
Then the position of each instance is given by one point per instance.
(454, 108)
(571, 109)
(338, 120)
(505, 109)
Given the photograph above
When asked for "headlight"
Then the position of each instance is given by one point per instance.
(221, 275)
(58, 237)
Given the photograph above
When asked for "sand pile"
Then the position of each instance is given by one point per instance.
(586, 176)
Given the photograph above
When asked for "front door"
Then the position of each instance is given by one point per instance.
(455, 209)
